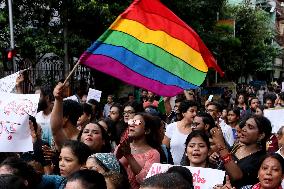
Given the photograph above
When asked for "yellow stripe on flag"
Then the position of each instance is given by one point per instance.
(162, 40)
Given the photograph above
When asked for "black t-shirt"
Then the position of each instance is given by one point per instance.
(249, 166)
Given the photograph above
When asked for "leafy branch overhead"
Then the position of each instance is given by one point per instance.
(39, 26)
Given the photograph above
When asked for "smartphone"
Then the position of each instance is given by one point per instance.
(210, 98)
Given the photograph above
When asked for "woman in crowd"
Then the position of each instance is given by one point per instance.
(73, 157)
(196, 150)
(97, 110)
(95, 136)
(103, 162)
(177, 132)
(138, 152)
(242, 162)
(270, 174)
(128, 113)
(116, 124)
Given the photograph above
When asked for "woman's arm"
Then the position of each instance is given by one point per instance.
(152, 156)
(231, 167)
(135, 167)
(166, 141)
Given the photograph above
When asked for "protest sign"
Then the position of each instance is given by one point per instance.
(276, 117)
(73, 97)
(203, 178)
(15, 109)
(94, 94)
(8, 83)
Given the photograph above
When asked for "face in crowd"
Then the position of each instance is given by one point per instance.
(269, 103)
(68, 162)
(114, 113)
(73, 157)
(270, 173)
(250, 133)
(137, 127)
(241, 99)
(197, 149)
(92, 136)
(190, 114)
(213, 111)
(232, 117)
(128, 113)
(254, 104)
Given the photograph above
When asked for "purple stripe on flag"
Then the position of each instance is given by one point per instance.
(116, 69)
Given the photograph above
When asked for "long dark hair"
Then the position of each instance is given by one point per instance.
(152, 138)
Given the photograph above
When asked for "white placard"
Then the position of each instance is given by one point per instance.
(73, 97)
(282, 86)
(203, 178)
(15, 109)
(8, 83)
(276, 116)
(94, 94)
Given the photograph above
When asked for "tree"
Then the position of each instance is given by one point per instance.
(39, 28)
(252, 49)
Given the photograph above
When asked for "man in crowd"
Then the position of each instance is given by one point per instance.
(45, 106)
(107, 106)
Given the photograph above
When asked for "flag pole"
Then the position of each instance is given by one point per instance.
(71, 73)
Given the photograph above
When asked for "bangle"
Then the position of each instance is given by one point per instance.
(227, 158)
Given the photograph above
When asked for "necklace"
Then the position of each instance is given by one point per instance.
(243, 153)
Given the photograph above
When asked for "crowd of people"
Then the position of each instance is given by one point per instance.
(82, 144)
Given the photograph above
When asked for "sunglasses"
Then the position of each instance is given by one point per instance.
(134, 122)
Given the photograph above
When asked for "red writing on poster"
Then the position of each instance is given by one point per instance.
(20, 107)
(197, 178)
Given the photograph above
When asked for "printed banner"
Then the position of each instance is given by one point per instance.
(276, 117)
(15, 109)
(203, 178)
(94, 94)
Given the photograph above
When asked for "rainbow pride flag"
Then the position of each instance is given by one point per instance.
(150, 47)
